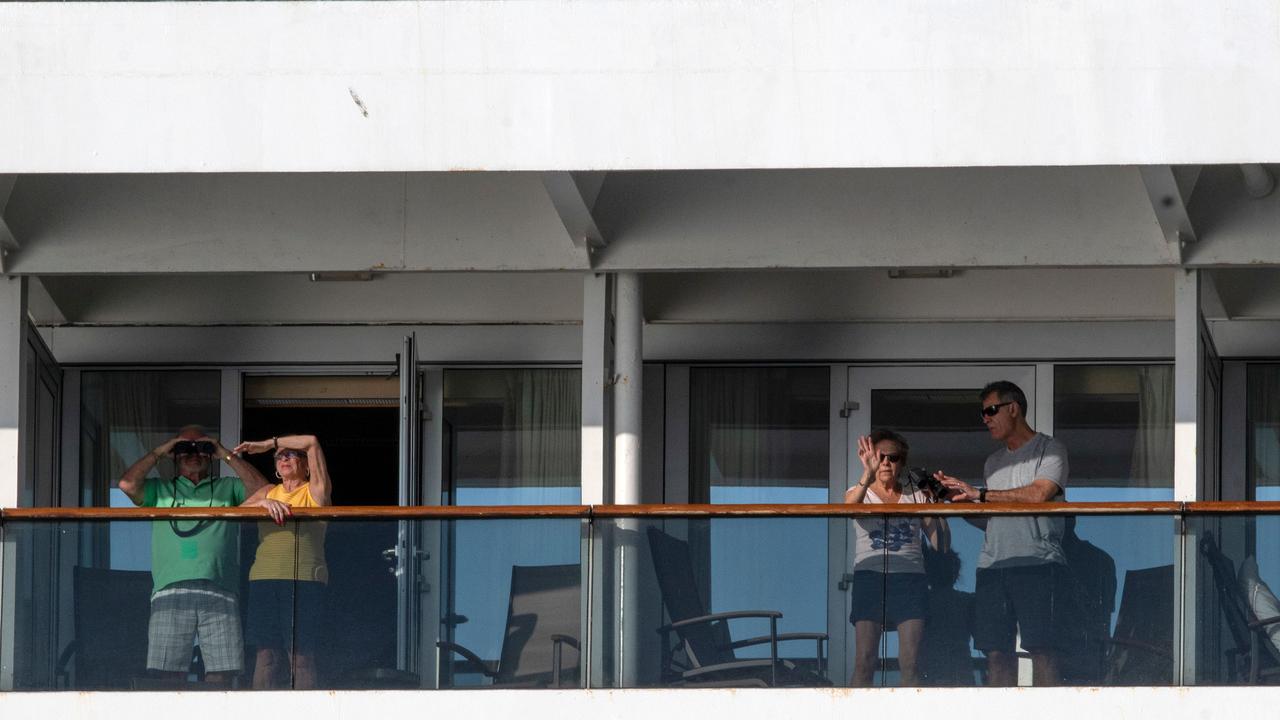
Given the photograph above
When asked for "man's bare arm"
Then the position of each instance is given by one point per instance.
(133, 482)
(1040, 490)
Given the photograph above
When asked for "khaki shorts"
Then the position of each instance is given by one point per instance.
(186, 611)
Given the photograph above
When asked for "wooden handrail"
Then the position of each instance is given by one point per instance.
(442, 512)
(435, 512)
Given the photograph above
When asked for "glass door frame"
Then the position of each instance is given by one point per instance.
(854, 411)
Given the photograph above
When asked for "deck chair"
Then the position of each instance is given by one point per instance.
(539, 644)
(703, 653)
(112, 611)
(1140, 652)
(1254, 658)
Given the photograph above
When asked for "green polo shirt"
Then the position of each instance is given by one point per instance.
(194, 549)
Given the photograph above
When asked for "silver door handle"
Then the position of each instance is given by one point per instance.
(846, 582)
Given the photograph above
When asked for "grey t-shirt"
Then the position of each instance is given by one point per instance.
(1012, 541)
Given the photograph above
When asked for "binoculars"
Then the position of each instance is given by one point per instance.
(193, 447)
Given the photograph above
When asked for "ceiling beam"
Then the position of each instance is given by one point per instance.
(574, 197)
(1211, 304)
(41, 305)
(1169, 189)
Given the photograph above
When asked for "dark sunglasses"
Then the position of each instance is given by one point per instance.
(193, 447)
(297, 454)
(991, 410)
(895, 458)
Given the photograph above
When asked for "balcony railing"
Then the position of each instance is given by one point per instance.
(1150, 594)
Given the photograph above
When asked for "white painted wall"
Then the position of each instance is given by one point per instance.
(670, 342)
(653, 221)
(1016, 294)
(454, 298)
(292, 222)
(559, 84)
(817, 704)
(965, 217)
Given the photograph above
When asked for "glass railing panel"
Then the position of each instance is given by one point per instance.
(172, 619)
(1233, 635)
(1088, 602)
(509, 611)
(1052, 600)
(678, 604)
(340, 603)
(503, 602)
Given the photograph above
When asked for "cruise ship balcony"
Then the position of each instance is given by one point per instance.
(664, 596)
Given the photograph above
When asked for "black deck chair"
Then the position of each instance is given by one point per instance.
(704, 654)
(1140, 651)
(1254, 658)
(112, 611)
(539, 644)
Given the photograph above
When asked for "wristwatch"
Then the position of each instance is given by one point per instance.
(982, 495)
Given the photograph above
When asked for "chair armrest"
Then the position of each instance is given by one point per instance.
(468, 655)
(558, 641)
(727, 666)
(1140, 645)
(566, 639)
(761, 639)
(773, 614)
(1259, 624)
(65, 657)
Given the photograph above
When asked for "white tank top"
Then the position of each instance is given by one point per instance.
(888, 544)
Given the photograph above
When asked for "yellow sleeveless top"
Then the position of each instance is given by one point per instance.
(280, 549)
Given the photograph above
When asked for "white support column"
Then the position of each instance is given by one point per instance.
(13, 400)
(628, 391)
(1187, 374)
(596, 375)
(628, 419)
(13, 396)
(1186, 385)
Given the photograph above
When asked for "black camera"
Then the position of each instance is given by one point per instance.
(193, 447)
(925, 480)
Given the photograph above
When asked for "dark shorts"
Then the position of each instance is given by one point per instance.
(907, 595)
(286, 615)
(1030, 600)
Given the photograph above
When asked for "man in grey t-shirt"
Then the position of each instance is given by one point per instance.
(1021, 578)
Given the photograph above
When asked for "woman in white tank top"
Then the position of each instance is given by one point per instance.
(889, 585)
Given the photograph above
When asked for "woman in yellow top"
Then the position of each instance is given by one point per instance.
(286, 582)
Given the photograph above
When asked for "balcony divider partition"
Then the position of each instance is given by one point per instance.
(1151, 594)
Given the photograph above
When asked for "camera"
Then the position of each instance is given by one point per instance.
(925, 480)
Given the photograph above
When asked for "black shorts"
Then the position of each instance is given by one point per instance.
(1031, 600)
(285, 615)
(907, 596)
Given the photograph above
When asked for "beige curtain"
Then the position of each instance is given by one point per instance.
(1153, 442)
(542, 434)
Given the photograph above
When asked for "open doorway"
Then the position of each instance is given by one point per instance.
(356, 419)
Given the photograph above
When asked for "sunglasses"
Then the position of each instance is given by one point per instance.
(295, 454)
(991, 410)
(193, 447)
(895, 458)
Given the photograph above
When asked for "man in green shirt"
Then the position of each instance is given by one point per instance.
(195, 567)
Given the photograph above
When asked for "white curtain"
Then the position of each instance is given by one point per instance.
(1153, 441)
(542, 433)
(757, 427)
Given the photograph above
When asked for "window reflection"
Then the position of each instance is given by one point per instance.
(511, 437)
(123, 416)
(761, 435)
(1117, 423)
